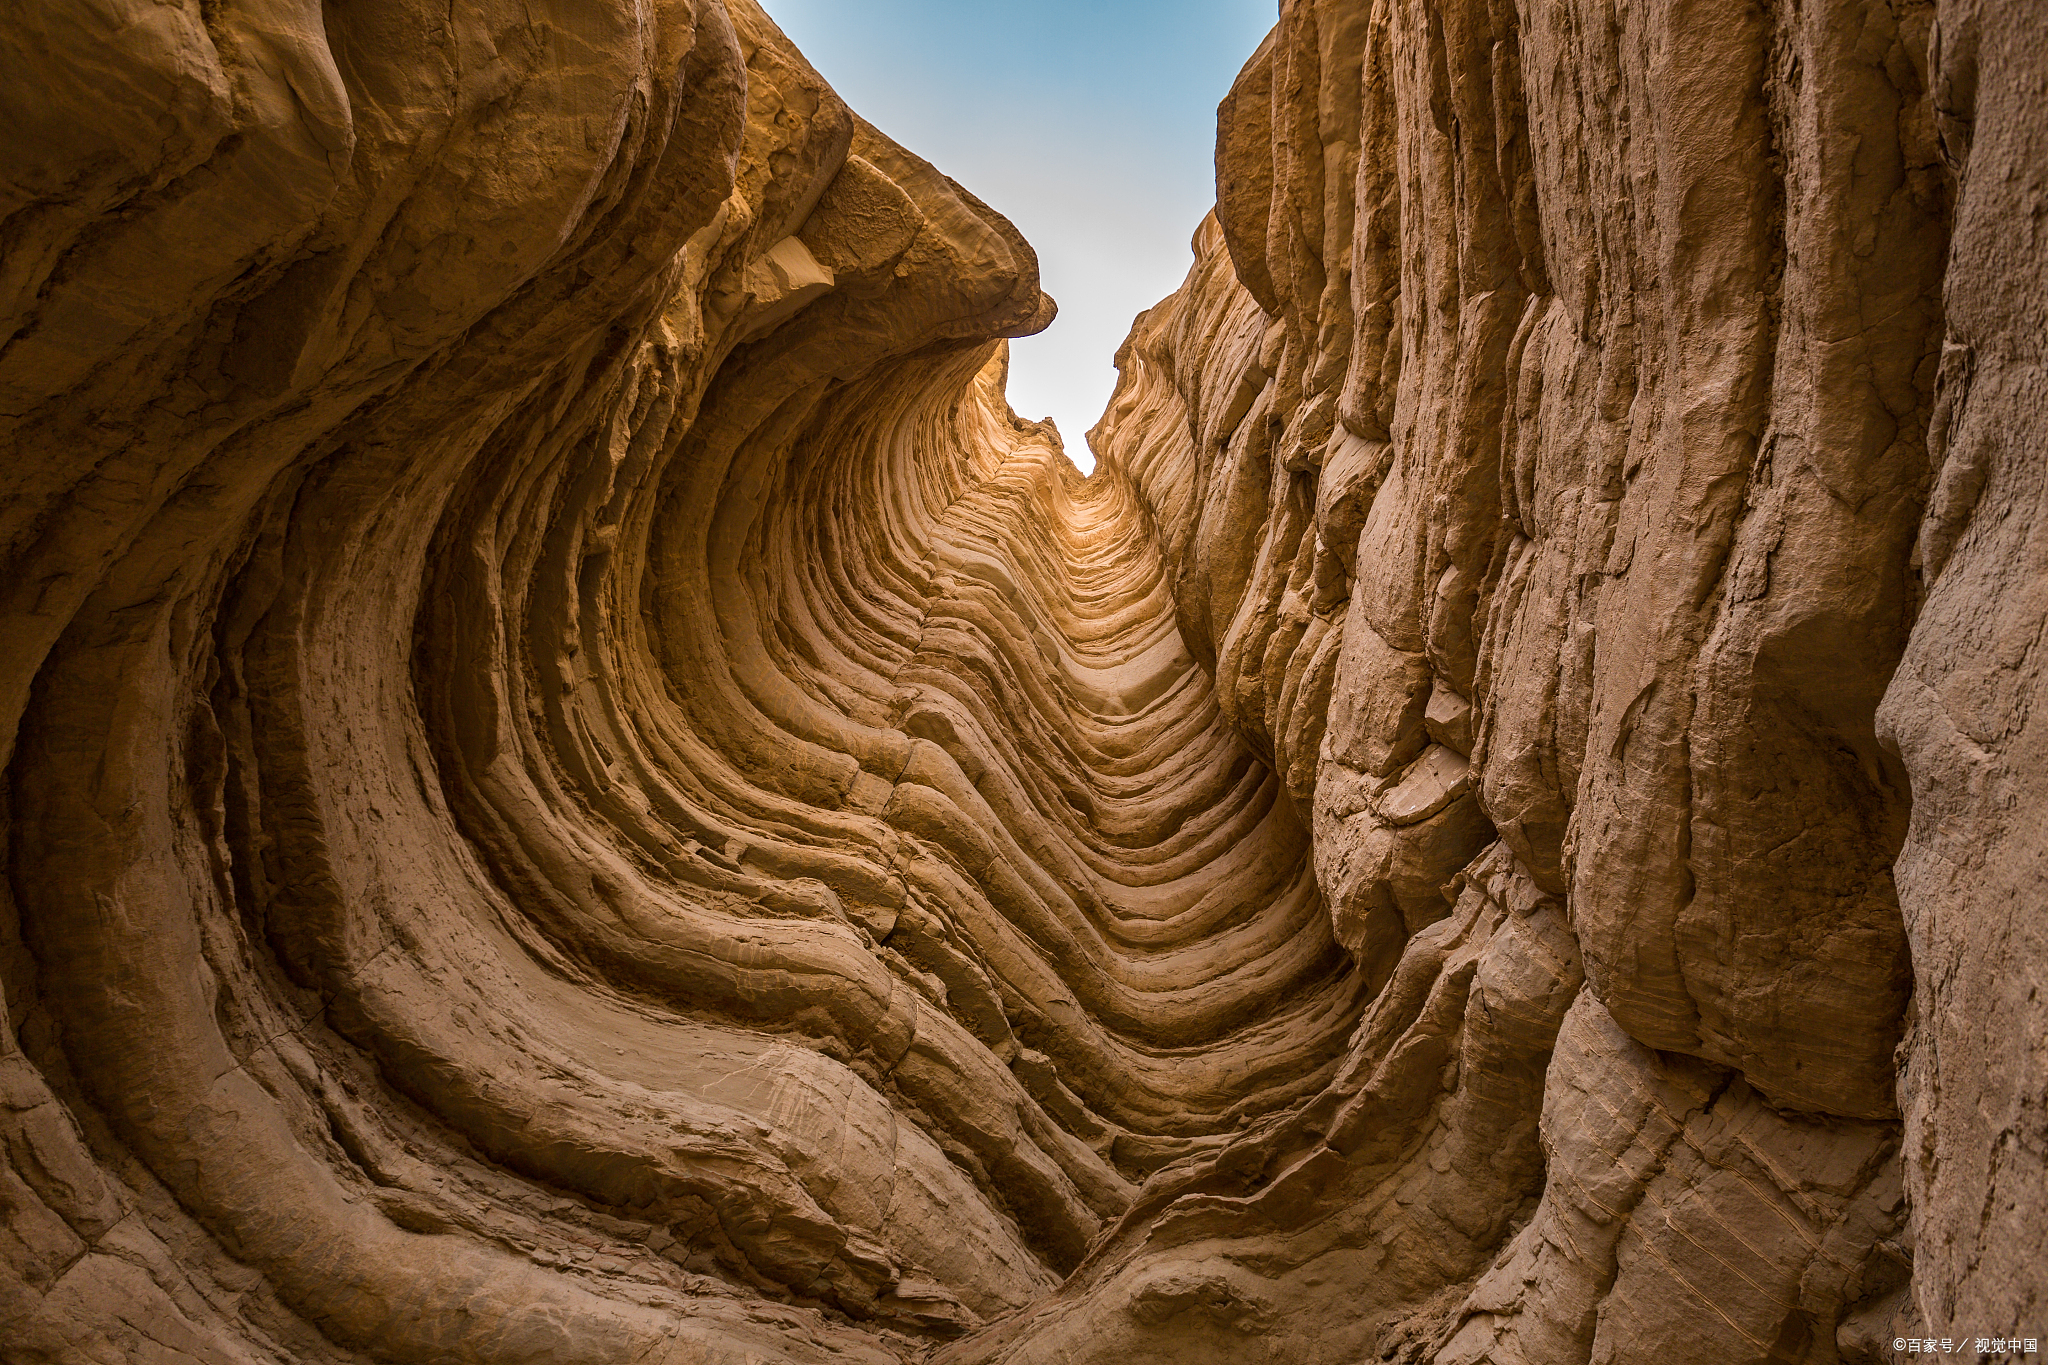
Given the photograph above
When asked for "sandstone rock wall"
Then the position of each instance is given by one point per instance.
(580, 788)
(1559, 391)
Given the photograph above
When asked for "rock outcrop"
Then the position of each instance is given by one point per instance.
(580, 788)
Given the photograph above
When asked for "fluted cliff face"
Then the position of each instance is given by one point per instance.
(580, 788)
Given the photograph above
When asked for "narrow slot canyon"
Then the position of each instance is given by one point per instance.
(580, 788)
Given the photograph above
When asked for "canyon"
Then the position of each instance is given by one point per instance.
(579, 788)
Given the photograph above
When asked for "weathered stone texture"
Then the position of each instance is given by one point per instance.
(1556, 390)
(1964, 707)
(579, 787)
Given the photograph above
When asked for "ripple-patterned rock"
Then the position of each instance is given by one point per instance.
(580, 788)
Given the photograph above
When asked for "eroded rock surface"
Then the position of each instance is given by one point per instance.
(579, 787)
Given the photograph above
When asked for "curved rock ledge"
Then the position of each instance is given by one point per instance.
(579, 787)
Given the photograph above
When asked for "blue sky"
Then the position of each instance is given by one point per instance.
(1091, 126)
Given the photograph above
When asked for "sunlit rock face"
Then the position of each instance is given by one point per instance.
(580, 789)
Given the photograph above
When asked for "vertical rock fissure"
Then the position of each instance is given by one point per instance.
(579, 786)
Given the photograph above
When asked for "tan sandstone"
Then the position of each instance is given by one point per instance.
(580, 788)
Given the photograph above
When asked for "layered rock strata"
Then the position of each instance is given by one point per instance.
(580, 788)
(1556, 440)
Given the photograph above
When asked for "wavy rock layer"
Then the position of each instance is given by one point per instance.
(580, 788)
(1543, 443)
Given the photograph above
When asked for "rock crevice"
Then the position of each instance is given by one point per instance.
(578, 786)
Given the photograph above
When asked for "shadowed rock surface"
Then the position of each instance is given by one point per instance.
(580, 788)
